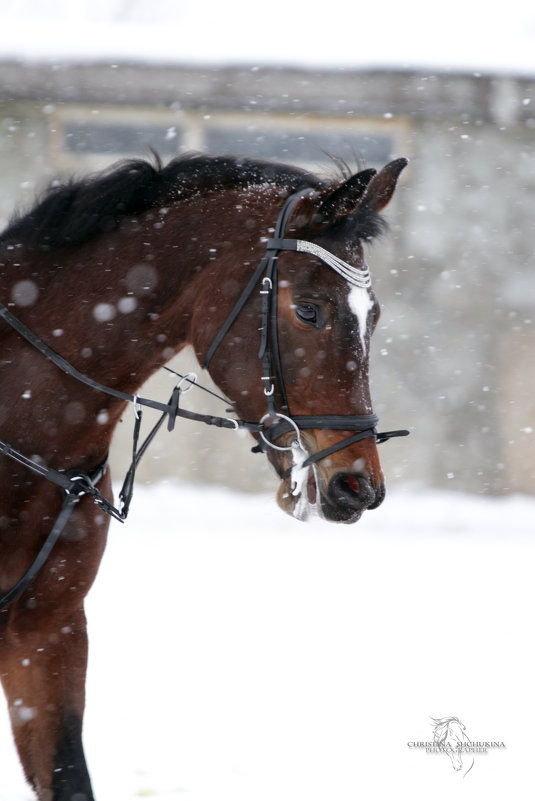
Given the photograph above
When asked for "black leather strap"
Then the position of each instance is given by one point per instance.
(242, 300)
(336, 422)
(170, 408)
(75, 486)
(338, 446)
(280, 243)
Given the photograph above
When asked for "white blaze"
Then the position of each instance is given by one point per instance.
(360, 303)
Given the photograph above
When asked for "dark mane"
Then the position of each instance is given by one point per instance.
(73, 213)
(365, 223)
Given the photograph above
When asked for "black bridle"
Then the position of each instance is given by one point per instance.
(76, 484)
(365, 425)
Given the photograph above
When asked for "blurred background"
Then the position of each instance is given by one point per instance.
(83, 84)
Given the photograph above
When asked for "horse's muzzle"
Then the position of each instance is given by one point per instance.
(349, 495)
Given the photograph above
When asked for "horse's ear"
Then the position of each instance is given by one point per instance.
(345, 198)
(380, 189)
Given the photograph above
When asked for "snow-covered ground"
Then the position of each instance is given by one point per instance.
(238, 654)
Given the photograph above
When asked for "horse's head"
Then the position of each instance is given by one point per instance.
(313, 392)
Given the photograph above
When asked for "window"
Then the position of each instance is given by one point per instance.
(127, 139)
(83, 138)
(297, 147)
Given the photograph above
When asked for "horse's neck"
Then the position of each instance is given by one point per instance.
(122, 305)
(159, 272)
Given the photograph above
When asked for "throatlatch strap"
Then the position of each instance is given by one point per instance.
(266, 266)
(242, 300)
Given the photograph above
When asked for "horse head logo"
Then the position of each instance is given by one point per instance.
(450, 736)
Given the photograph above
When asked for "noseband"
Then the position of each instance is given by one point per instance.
(365, 425)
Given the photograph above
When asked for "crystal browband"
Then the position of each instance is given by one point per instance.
(358, 278)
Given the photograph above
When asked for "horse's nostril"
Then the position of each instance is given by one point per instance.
(352, 490)
(352, 483)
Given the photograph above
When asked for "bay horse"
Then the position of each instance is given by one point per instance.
(102, 282)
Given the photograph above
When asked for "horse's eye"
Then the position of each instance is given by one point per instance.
(307, 313)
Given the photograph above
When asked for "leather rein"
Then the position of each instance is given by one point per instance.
(75, 484)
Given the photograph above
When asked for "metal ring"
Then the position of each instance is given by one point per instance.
(292, 423)
(191, 378)
(80, 491)
(137, 410)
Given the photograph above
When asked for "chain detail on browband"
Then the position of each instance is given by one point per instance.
(355, 277)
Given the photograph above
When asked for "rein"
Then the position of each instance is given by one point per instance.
(171, 409)
(75, 484)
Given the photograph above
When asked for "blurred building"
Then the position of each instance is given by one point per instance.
(452, 358)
